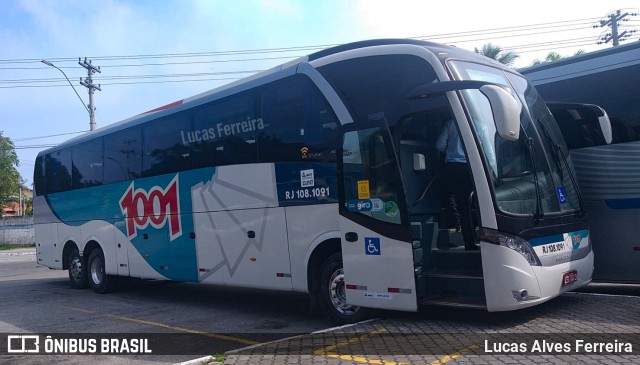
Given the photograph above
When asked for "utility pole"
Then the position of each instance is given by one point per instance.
(88, 83)
(613, 21)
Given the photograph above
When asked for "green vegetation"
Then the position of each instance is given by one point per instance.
(497, 53)
(10, 179)
(13, 247)
(214, 359)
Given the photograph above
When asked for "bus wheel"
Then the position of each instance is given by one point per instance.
(333, 299)
(77, 270)
(99, 281)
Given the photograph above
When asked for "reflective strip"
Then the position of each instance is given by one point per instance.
(356, 287)
(399, 290)
(283, 275)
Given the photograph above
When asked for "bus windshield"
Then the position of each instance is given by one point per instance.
(532, 175)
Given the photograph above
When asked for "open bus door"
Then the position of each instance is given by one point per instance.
(377, 252)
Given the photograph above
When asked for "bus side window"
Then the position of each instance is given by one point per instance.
(39, 176)
(299, 124)
(164, 149)
(282, 108)
(87, 162)
(58, 171)
(123, 155)
(574, 131)
(225, 133)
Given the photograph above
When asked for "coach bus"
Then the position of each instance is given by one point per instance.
(606, 160)
(608, 175)
(322, 176)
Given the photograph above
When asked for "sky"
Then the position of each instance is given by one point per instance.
(152, 53)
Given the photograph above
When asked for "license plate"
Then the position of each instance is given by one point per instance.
(569, 277)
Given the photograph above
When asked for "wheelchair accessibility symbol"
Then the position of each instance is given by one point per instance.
(372, 245)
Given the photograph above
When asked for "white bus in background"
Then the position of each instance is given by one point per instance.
(606, 156)
(322, 176)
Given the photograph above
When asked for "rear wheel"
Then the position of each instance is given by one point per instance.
(98, 279)
(333, 299)
(77, 270)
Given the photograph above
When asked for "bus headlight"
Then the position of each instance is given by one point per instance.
(520, 246)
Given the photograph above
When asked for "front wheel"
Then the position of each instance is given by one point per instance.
(99, 281)
(333, 299)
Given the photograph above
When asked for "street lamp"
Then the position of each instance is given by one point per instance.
(91, 122)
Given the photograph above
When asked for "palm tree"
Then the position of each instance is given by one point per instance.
(554, 56)
(496, 52)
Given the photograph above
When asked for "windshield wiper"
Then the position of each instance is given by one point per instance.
(539, 214)
(554, 150)
(560, 152)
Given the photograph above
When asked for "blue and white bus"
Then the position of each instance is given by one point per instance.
(322, 176)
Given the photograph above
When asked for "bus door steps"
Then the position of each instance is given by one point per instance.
(452, 284)
(463, 275)
(466, 302)
(457, 260)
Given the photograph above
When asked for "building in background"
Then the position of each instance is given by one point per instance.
(18, 205)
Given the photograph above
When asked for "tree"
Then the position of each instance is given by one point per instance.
(10, 179)
(497, 53)
(554, 56)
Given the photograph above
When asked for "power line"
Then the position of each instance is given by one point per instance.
(49, 136)
(523, 30)
(178, 55)
(502, 30)
(546, 45)
(124, 83)
(519, 48)
(29, 147)
(557, 47)
(129, 77)
(306, 48)
(168, 63)
(521, 35)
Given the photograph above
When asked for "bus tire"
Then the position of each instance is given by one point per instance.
(77, 270)
(99, 281)
(332, 294)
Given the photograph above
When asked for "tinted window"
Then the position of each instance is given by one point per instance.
(164, 149)
(580, 126)
(87, 164)
(225, 133)
(58, 171)
(372, 183)
(376, 87)
(299, 125)
(123, 155)
(38, 176)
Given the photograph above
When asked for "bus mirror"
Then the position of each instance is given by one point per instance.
(584, 111)
(605, 126)
(419, 162)
(506, 112)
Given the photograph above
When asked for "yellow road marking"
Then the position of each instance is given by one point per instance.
(455, 355)
(175, 328)
(329, 351)
(326, 351)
